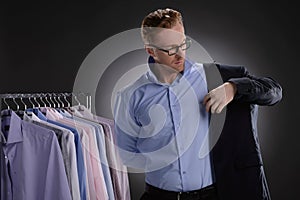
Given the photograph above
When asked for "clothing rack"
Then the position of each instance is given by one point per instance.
(97, 145)
(52, 99)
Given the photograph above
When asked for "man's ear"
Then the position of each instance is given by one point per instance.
(150, 51)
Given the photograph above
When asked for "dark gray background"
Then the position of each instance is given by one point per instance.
(42, 46)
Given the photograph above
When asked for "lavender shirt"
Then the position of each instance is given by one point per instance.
(31, 164)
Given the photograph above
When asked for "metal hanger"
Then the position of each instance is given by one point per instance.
(75, 97)
(55, 99)
(62, 103)
(4, 100)
(29, 99)
(65, 97)
(37, 102)
(41, 99)
(14, 100)
(50, 97)
(25, 106)
(46, 99)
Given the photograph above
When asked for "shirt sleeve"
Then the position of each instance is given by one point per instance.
(56, 186)
(127, 132)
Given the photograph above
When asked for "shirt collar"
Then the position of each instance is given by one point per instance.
(38, 113)
(29, 116)
(15, 127)
(64, 113)
(82, 111)
(151, 76)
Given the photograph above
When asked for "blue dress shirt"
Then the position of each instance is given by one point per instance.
(161, 128)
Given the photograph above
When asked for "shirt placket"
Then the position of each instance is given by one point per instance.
(7, 183)
(175, 116)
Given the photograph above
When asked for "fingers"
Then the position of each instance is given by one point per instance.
(206, 98)
(214, 107)
(207, 101)
(220, 108)
(214, 103)
(208, 105)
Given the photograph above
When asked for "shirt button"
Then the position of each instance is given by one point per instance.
(184, 172)
(5, 157)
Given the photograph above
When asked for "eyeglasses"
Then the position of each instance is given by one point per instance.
(174, 50)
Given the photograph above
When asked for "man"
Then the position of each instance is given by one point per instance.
(162, 121)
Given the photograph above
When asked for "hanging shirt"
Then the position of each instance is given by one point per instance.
(95, 175)
(68, 150)
(102, 151)
(31, 161)
(81, 170)
(119, 172)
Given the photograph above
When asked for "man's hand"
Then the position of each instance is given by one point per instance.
(219, 97)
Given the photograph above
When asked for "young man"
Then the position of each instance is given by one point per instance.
(163, 118)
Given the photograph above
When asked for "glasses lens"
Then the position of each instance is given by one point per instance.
(186, 44)
(173, 51)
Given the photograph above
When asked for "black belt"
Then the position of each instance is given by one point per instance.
(201, 193)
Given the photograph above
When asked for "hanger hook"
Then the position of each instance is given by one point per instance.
(75, 97)
(41, 98)
(58, 99)
(4, 100)
(65, 97)
(14, 100)
(25, 106)
(29, 99)
(46, 99)
(52, 101)
(37, 102)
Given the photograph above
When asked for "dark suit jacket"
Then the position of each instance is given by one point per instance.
(236, 157)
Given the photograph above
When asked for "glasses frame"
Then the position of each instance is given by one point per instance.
(187, 42)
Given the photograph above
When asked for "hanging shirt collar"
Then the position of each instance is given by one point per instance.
(11, 119)
(38, 113)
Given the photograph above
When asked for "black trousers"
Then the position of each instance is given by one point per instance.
(154, 193)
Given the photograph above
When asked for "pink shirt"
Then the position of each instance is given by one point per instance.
(118, 170)
(95, 177)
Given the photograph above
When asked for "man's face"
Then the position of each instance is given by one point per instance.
(166, 39)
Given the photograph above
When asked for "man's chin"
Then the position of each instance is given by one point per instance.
(178, 67)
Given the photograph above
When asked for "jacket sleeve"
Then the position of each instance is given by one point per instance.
(252, 89)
